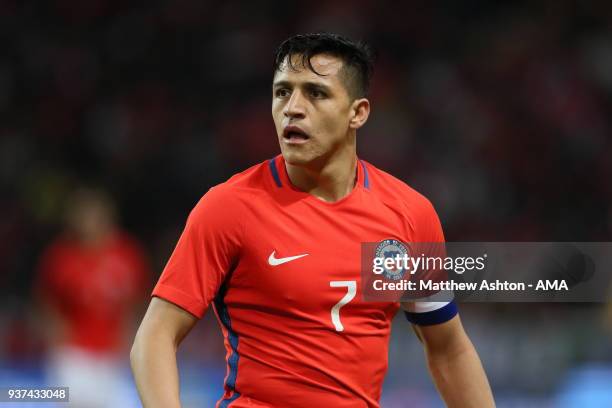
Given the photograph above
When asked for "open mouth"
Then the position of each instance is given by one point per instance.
(293, 134)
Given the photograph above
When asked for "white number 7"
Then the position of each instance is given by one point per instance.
(350, 294)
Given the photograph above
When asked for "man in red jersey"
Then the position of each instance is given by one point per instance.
(90, 283)
(276, 250)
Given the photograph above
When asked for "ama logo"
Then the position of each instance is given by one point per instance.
(392, 249)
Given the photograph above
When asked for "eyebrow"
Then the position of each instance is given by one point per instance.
(307, 85)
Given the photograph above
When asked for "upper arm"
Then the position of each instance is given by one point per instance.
(442, 338)
(206, 252)
(168, 320)
(433, 321)
(434, 317)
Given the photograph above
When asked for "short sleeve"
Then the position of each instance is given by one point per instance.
(206, 251)
(429, 239)
(429, 227)
(47, 285)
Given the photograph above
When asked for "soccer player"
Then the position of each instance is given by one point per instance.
(90, 283)
(276, 250)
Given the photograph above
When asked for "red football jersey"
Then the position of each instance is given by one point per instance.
(282, 269)
(94, 289)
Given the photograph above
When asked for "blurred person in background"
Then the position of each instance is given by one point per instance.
(90, 283)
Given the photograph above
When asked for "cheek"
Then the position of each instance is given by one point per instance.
(277, 116)
(336, 125)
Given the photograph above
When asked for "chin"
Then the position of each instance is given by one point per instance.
(294, 158)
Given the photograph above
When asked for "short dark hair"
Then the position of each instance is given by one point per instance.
(358, 57)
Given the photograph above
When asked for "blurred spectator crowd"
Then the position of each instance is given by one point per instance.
(499, 112)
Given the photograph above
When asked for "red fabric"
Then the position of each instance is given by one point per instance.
(285, 348)
(94, 289)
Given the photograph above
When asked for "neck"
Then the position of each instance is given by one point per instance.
(329, 181)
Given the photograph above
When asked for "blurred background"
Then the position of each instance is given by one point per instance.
(116, 117)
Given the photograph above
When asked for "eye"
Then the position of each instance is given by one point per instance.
(317, 94)
(282, 92)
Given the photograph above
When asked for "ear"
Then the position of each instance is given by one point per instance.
(360, 111)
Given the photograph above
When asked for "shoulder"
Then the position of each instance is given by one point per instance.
(54, 259)
(60, 248)
(226, 201)
(396, 192)
(421, 220)
(127, 244)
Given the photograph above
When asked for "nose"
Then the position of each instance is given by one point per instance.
(294, 109)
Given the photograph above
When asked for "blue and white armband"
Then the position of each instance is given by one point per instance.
(429, 313)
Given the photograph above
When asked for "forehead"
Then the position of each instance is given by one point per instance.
(327, 67)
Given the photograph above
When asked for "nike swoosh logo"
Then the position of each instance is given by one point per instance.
(274, 261)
